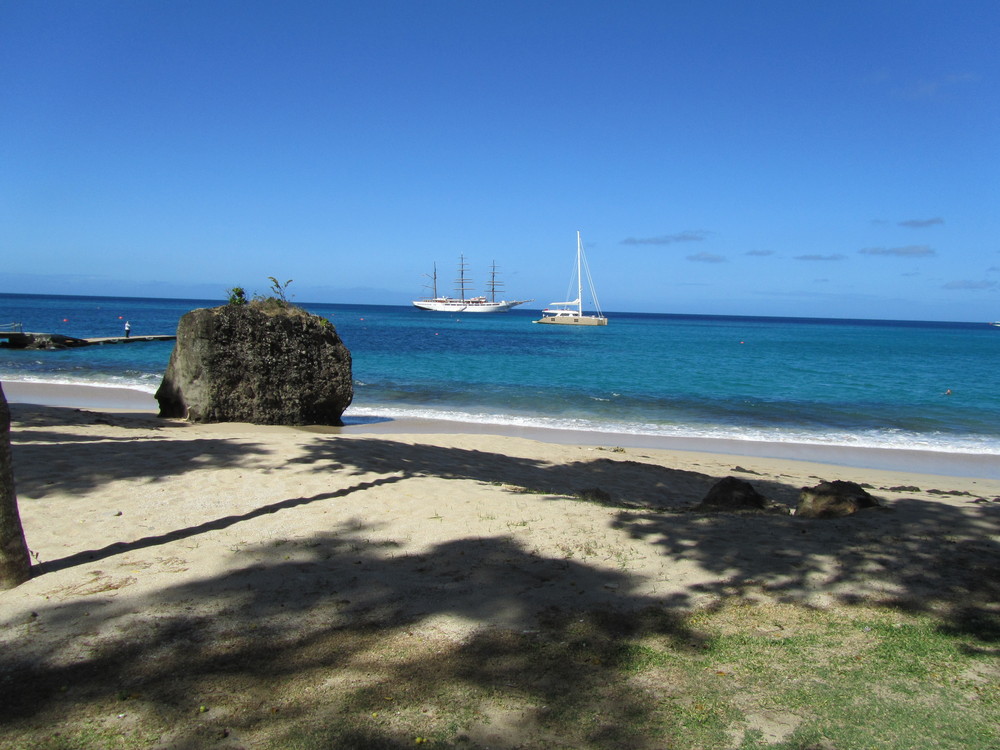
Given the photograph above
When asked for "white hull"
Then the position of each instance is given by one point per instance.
(563, 318)
(462, 303)
(466, 305)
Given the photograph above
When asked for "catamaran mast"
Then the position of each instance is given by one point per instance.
(579, 274)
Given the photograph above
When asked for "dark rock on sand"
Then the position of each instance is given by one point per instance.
(833, 500)
(732, 494)
(265, 362)
(594, 495)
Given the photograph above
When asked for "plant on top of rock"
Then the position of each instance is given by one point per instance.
(279, 290)
(237, 296)
(277, 300)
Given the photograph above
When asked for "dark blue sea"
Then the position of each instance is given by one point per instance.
(830, 382)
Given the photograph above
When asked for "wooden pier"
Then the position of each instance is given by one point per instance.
(27, 340)
(128, 340)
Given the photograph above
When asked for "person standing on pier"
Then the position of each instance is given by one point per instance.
(128, 329)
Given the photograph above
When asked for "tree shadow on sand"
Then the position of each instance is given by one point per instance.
(216, 524)
(915, 555)
(33, 417)
(342, 631)
(913, 552)
(49, 459)
(325, 651)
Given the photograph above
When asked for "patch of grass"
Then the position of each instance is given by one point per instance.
(90, 735)
(741, 676)
(860, 680)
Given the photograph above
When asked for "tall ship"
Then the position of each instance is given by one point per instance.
(464, 302)
(571, 313)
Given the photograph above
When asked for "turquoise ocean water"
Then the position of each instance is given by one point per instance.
(830, 382)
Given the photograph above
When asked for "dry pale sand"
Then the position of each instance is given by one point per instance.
(135, 521)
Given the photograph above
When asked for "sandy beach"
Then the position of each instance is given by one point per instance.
(137, 524)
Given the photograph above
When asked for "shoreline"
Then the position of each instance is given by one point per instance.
(984, 466)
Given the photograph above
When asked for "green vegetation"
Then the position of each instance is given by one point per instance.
(237, 296)
(278, 299)
(279, 289)
(736, 676)
(277, 303)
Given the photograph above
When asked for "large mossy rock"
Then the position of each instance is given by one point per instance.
(265, 362)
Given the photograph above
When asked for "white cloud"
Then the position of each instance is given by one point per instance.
(693, 235)
(909, 251)
(933, 87)
(707, 258)
(921, 223)
(966, 284)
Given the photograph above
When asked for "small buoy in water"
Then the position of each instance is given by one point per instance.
(65, 320)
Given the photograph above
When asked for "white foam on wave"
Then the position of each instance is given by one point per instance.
(889, 439)
(107, 381)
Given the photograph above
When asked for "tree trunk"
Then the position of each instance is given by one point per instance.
(15, 564)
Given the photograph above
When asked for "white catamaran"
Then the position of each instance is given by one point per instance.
(461, 303)
(565, 314)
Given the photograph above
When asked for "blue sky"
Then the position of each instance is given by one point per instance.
(763, 158)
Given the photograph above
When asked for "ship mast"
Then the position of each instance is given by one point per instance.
(434, 282)
(462, 283)
(494, 284)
